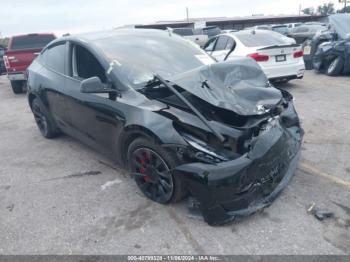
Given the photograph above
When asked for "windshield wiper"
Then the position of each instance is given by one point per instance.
(183, 99)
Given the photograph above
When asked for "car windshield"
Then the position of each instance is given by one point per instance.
(141, 55)
(262, 38)
(31, 42)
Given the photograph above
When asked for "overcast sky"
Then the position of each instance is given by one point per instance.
(73, 16)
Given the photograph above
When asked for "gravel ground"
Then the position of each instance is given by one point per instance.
(60, 197)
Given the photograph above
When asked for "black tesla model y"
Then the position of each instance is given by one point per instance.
(180, 122)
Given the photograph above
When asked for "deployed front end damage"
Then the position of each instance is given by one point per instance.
(248, 148)
(244, 185)
(328, 52)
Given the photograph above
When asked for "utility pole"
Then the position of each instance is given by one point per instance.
(188, 19)
(299, 9)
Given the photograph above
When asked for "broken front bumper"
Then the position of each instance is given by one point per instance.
(243, 186)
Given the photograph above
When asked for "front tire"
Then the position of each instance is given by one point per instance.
(151, 165)
(335, 67)
(17, 86)
(46, 127)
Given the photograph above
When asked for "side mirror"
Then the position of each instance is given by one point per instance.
(347, 37)
(94, 85)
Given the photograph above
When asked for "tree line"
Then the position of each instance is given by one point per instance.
(327, 9)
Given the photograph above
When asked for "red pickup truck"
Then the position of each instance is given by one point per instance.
(21, 52)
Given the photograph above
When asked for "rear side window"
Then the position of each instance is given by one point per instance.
(30, 42)
(221, 43)
(230, 44)
(260, 39)
(54, 58)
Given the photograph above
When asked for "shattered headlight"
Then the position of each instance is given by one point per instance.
(204, 152)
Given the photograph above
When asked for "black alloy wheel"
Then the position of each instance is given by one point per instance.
(47, 128)
(335, 67)
(152, 174)
(40, 118)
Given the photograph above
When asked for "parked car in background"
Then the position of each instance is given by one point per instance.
(293, 25)
(303, 35)
(259, 27)
(178, 121)
(196, 36)
(331, 49)
(2, 64)
(306, 31)
(21, 52)
(282, 29)
(316, 23)
(279, 57)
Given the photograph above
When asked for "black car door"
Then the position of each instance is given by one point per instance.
(52, 87)
(94, 117)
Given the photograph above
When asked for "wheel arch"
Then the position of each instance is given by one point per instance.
(128, 135)
(31, 98)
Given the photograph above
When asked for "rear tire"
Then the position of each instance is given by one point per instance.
(335, 67)
(43, 121)
(17, 86)
(146, 159)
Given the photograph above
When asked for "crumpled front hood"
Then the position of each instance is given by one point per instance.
(239, 86)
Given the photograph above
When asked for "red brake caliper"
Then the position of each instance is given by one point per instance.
(142, 169)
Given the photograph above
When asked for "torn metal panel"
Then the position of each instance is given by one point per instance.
(240, 86)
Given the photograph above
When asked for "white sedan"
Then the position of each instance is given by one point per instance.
(278, 56)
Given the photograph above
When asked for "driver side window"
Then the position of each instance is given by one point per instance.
(85, 64)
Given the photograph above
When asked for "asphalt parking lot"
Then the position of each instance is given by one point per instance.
(59, 197)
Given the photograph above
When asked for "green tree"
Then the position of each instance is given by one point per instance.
(4, 41)
(326, 9)
(308, 11)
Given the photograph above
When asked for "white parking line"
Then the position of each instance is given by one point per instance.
(110, 183)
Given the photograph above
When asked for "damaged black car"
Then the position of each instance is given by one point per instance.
(181, 123)
(332, 47)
